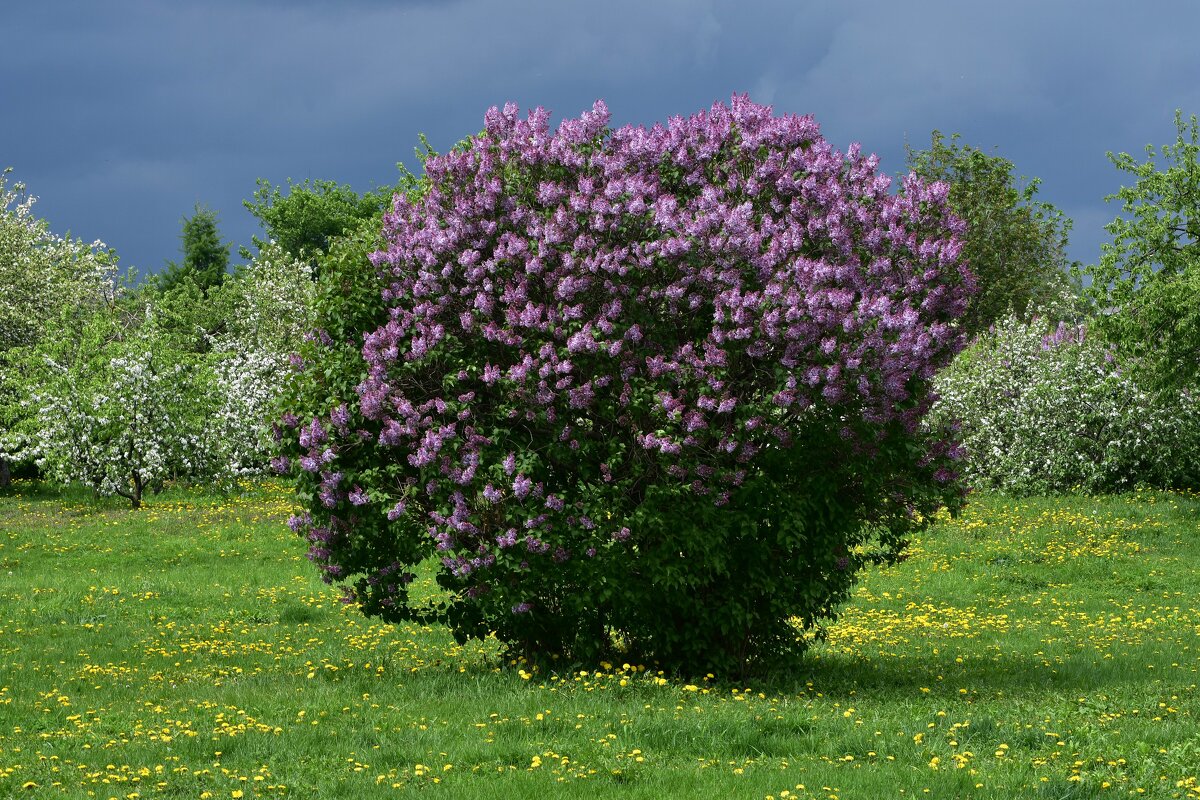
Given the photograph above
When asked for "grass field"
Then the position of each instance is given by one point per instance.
(1043, 648)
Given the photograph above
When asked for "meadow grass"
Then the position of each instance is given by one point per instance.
(1042, 648)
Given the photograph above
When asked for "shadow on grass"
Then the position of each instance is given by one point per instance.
(1011, 675)
(66, 496)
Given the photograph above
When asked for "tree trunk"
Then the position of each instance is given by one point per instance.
(136, 500)
(5, 474)
(134, 495)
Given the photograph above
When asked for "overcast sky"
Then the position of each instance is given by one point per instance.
(122, 115)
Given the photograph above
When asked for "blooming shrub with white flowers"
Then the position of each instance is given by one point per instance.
(246, 388)
(1052, 409)
(655, 393)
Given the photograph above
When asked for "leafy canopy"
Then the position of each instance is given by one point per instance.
(1147, 283)
(306, 219)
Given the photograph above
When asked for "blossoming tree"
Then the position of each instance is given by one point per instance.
(119, 407)
(41, 273)
(266, 312)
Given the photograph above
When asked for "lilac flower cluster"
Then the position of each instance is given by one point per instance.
(578, 314)
(1063, 334)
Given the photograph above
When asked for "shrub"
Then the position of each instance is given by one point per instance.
(655, 393)
(1053, 409)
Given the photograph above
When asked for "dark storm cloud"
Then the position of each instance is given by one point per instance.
(1051, 86)
(121, 116)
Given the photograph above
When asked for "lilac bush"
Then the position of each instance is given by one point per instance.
(655, 392)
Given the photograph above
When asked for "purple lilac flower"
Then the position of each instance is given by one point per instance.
(313, 434)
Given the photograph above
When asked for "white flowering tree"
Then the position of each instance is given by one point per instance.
(120, 408)
(267, 308)
(41, 274)
(124, 399)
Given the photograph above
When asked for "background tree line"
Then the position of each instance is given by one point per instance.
(111, 382)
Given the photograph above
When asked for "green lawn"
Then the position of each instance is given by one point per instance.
(1043, 648)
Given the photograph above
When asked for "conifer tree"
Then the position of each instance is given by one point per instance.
(205, 256)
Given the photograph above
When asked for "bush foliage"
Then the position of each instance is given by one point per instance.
(653, 391)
